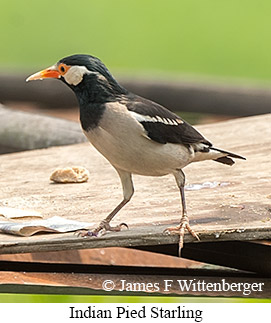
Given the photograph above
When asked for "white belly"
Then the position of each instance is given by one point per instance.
(143, 158)
(121, 140)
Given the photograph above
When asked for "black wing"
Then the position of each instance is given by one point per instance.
(162, 125)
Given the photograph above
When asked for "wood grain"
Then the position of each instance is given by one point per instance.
(239, 210)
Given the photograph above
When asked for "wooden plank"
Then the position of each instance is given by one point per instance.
(92, 283)
(87, 279)
(140, 236)
(238, 210)
(25, 266)
(241, 255)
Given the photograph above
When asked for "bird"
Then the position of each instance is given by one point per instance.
(135, 134)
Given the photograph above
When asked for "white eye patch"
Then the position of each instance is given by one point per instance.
(75, 74)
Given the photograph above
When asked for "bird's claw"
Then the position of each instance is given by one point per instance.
(180, 230)
(85, 233)
(103, 227)
(107, 227)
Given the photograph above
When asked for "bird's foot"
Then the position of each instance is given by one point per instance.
(180, 230)
(102, 228)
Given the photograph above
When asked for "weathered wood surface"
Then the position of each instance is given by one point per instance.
(92, 283)
(240, 210)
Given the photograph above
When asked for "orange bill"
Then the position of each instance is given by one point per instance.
(50, 72)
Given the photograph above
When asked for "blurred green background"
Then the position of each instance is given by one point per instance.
(226, 38)
(46, 298)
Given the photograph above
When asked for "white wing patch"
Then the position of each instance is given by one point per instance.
(146, 118)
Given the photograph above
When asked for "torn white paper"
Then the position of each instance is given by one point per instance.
(53, 224)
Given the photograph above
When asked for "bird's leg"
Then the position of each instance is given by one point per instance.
(105, 223)
(184, 223)
(128, 191)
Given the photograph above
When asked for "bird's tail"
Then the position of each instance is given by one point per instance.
(226, 159)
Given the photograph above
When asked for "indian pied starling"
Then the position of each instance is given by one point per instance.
(136, 135)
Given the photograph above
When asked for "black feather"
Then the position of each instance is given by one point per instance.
(93, 88)
(160, 132)
(225, 160)
(228, 153)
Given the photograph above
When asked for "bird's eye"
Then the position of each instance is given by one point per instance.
(62, 68)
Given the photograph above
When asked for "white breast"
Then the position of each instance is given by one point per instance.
(123, 141)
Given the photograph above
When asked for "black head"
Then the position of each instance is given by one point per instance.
(79, 66)
(93, 64)
(86, 75)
